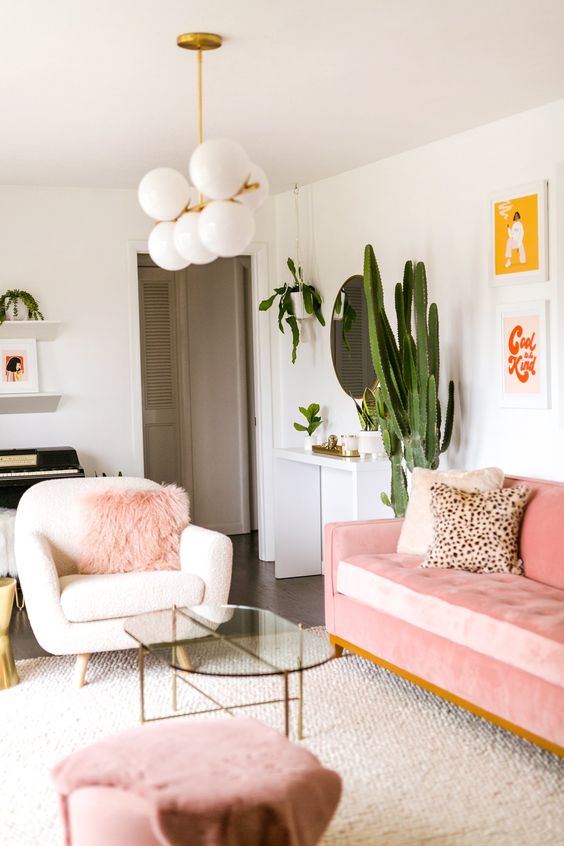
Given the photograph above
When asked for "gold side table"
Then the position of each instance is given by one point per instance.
(8, 672)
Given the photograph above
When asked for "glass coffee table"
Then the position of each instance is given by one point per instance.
(229, 641)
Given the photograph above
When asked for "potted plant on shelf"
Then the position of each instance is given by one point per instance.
(313, 422)
(19, 305)
(408, 407)
(297, 301)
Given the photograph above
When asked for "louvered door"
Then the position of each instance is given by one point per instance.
(159, 369)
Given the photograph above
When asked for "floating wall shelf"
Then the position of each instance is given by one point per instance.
(26, 403)
(43, 330)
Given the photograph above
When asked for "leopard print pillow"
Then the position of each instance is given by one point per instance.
(477, 531)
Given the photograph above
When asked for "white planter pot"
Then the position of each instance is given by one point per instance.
(298, 305)
(340, 299)
(22, 312)
(370, 443)
(308, 443)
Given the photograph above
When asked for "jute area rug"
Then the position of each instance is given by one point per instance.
(416, 770)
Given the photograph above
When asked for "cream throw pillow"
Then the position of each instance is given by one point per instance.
(417, 530)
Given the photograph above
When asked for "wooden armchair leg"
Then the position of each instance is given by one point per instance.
(80, 668)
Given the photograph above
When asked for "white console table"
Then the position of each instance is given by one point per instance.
(314, 489)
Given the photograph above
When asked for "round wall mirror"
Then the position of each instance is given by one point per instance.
(350, 345)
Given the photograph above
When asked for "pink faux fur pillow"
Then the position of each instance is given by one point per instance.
(133, 530)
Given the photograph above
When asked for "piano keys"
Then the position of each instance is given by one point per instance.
(22, 468)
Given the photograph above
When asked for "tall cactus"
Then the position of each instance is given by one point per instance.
(407, 367)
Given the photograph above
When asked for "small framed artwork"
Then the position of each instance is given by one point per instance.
(523, 352)
(519, 251)
(18, 374)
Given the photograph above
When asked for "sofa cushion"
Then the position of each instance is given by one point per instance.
(542, 544)
(417, 529)
(477, 531)
(132, 530)
(105, 597)
(507, 617)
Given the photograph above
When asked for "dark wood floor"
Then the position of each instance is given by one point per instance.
(253, 583)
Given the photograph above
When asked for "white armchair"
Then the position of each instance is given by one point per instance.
(80, 614)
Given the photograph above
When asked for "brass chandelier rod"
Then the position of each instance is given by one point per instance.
(201, 41)
(200, 121)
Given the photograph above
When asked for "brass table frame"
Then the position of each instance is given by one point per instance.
(8, 672)
(178, 671)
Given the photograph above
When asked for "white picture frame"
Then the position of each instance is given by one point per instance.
(18, 366)
(523, 354)
(518, 250)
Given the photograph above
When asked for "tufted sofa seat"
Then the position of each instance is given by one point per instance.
(491, 642)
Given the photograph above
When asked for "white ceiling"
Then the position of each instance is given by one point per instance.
(95, 92)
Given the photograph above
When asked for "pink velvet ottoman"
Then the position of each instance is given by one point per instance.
(234, 782)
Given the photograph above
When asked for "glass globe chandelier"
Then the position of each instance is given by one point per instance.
(215, 218)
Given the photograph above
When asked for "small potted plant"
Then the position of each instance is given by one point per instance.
(313, 422)
(19, 305)
(369, 439)
(296, 302)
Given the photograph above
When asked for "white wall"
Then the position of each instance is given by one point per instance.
(432, 204)
(69, 248)
(429, 204)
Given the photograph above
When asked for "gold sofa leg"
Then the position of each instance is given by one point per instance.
(80, 668)
(338, 647)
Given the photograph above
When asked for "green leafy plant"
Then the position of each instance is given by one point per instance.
(13, 298)
(343, 304)
(311, 415)
(407, 367)
(367, 411)
(312, 304)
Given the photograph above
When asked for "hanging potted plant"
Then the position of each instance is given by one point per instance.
(344, 311)
(308, 298)
(19, 305)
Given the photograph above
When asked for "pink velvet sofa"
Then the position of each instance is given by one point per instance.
(492, 643)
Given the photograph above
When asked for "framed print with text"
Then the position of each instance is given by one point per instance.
(523, 354)
(519, 242)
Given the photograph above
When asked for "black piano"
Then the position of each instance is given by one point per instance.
(22, 468)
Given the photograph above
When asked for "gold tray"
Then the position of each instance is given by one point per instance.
(337, 451)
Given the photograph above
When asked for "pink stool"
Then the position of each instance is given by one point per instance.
(202, 783)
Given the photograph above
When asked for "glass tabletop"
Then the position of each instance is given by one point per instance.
(228, 640)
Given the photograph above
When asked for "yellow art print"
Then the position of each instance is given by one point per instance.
(518, 236)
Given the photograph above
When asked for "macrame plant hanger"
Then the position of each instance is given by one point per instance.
(297, 298)
(297, 211)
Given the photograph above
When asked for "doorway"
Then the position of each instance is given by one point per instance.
(198, 387)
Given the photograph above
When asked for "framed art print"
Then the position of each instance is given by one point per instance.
(518, 251)
(523, 353)
(18, 373)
